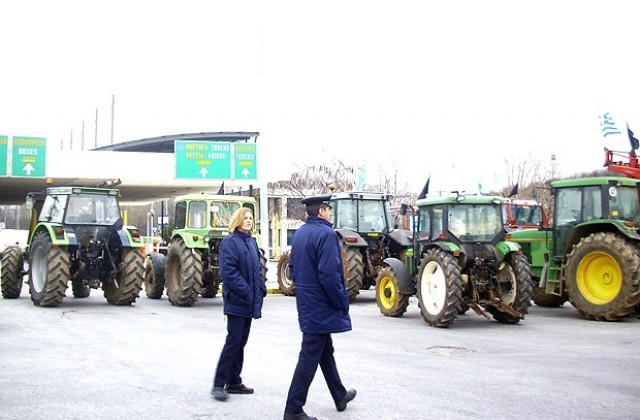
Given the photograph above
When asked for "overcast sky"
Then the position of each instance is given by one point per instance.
(451, 89)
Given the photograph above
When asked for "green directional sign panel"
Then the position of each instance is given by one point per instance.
(202, 159)
(244, 161)
(28, 157)
(4, 150)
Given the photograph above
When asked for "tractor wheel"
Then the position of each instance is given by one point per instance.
(80, 290)
(391, 301)
(546, 300)
(514, 285)
(603, 277)
(353, 269)
(210, 283)
(48, 271)
(285, 281)
(263, 264)
(11, 276)
(125, 287)
(439, 288)
(184, 274)
(155, 266)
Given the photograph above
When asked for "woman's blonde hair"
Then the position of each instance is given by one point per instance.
(237, 218)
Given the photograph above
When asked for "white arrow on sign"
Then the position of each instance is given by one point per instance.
(28, 168)
(203, 172)
(245, 172)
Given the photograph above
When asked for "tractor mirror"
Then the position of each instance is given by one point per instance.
(29, 202)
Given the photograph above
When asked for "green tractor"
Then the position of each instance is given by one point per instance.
(461, 259)
(364, 224)
(590, 254)
(76, 234)
(190, 267)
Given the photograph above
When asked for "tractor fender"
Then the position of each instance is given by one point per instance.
(506, 247)
(351, 237)
(405, 282)
(60, 240)
(402, 237)
(191, 240)
(126, 238)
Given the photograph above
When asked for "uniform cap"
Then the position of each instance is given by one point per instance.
(317, 200)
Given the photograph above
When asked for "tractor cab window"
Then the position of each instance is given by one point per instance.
(53, 208)
(221, 213)
(180, 218)
(527, 215)
(592, 208)
(371, 217)
(567, 215)
(345, 214)
(92, 209)
(197, 212)
(475, 222)
(623, 203)
(424, 223)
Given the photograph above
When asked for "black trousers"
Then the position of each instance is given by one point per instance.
(316, 349)
(232, 356)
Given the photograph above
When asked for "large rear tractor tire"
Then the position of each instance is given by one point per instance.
(439, 288)
(11, 275)
(353, 269)
(155, 266)
(603, 277)
(285, 281)
(48, 271)
(125, 287)
(546, 300)
(184, 274)
(391, 301)
(514, 282)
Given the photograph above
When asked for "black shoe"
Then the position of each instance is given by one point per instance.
(219, 393)
(299, 416)
(342, 404)
(238, 389)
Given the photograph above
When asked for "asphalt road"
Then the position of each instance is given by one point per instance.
(91, 360)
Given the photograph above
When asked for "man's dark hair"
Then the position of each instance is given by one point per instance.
(314, 209)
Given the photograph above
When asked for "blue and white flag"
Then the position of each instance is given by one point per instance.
(608, 125)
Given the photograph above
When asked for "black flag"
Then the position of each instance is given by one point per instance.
(221, 189)
(634, 141)
(514, 191)
(425, 189)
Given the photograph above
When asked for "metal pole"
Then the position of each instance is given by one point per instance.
(113, 106)
(95, 143)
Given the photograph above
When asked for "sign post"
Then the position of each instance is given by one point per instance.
(29, 156)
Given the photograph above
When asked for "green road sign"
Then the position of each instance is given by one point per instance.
(244, 159)
(29, 156)
(4, 141)
(203, 159)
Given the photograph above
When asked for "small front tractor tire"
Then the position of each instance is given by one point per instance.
(184, 274)
(155, 266)
(439, 288)
(80, 290)
(125, 287)
(11, 275)
(514, 281)
(391, 301)
(603, 277)
(48, 271)
(285, 281)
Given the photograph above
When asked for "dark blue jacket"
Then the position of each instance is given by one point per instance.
(243, 285)
(316, 267)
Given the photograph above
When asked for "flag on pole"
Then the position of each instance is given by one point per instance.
(608, 125)
(634, 141)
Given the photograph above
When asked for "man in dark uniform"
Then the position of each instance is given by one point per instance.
(323, 307)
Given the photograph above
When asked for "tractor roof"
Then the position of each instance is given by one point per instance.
(83, 190)
(460, 199)
(597, 180)
(216, 197)
(361, 195)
